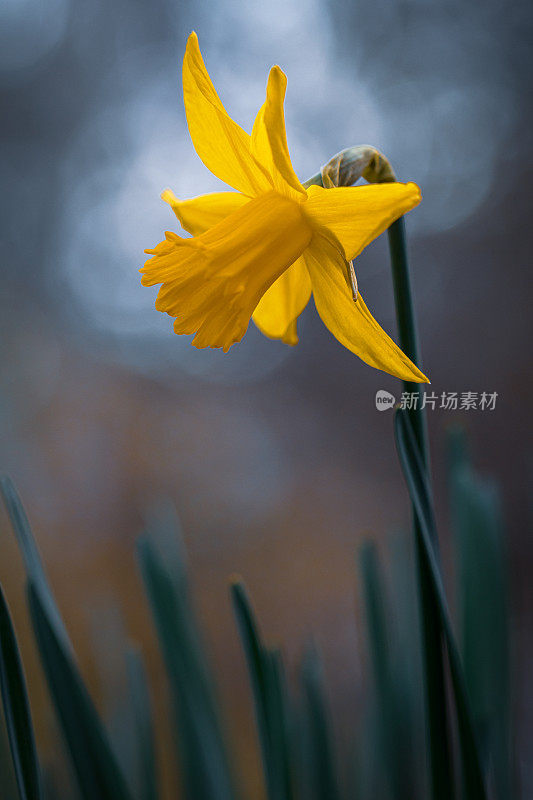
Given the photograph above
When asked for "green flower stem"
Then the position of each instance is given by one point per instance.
(432, 643)
(344, 169)
(406, 322)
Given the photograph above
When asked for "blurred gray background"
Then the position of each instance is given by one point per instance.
(276, 458)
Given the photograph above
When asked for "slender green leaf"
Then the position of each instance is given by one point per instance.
(407, 663)
(91, 756)
(17, 710)
(142, 712)
(257, 670)
(380, 713)
(269, 690)
(205, 768)
(391, 722)
(8, 779)
(280, 724)
(373, 589)
(417, 483)
(31, 556)
(482, 608)
(321, 782)
(93, 762)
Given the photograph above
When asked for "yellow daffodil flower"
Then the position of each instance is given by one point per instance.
(261, 251)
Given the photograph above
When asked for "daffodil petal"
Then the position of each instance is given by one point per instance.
(351, 322)
(212, 283)
(269, 139)
(222, 145)
(278, 309)
(356, 215)
(201, 213)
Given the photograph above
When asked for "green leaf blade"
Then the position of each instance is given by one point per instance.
(94, 764)
(205, 767)
(319, 760)
(142, 714)
(269, 690)
(17, 710)
(87, 744)
(418, 486)
(482, 602)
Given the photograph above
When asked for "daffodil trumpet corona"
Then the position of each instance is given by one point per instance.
(260, 251)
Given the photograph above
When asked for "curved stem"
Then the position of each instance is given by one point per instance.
(344, 169)
(406, 321)
(432, 640)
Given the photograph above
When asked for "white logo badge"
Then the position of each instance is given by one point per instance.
(384, 400)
